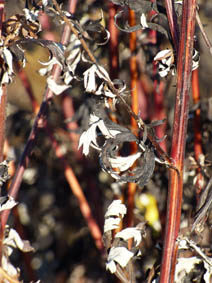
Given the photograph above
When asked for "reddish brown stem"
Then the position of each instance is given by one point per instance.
(114, 42)
(3, 104)
(198, 152)
(39, 123)
(113, 51)
(68, 112)
(158, 111)
(2, 14)
(3, 98)
(134, 105)
(178, 140)
(67, 104)
(66, 99)
(197, 126)
(77, 191)
(26, 83)
(173, 25)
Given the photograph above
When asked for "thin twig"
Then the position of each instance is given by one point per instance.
(70, 176)
(77, 191)
(38, 124)
(26, 83)
(207, 40)
(173, 25)
(67, 103)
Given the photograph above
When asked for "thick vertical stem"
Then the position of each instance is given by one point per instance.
(178, 140)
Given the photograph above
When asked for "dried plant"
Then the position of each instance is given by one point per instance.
(114, 131)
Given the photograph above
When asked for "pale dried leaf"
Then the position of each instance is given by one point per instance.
(111, 223)
(116, 208)
(120, 255)
(128, 233)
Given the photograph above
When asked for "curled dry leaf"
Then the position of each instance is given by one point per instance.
(128, 233)
(109, 159)
(142, 9)
(116, 208)
(12, 239)
(118, 253)
(7, 203)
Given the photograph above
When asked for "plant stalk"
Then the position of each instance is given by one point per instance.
(3, 98)
(184, 70)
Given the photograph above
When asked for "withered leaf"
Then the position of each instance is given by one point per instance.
(17, 52)
(56, 49)
(110, 149)
(140, 174)
(142, 7)
(204, 207)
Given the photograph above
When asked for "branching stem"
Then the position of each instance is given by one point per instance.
(138, 120)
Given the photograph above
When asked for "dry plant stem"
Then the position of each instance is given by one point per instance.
(159, 111)
(173, 25)
(2, 15)
(113, 51)
(178, 140)
(67, 102)
(134, 105)
(71, 178)
(198, 152)
(207, 41)
(138, 120)
(25, 81)
(113, 43)
(3, 104)
(72, 6)
(3, 99)
(77, 191)
(39, 123)
(68, 111)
